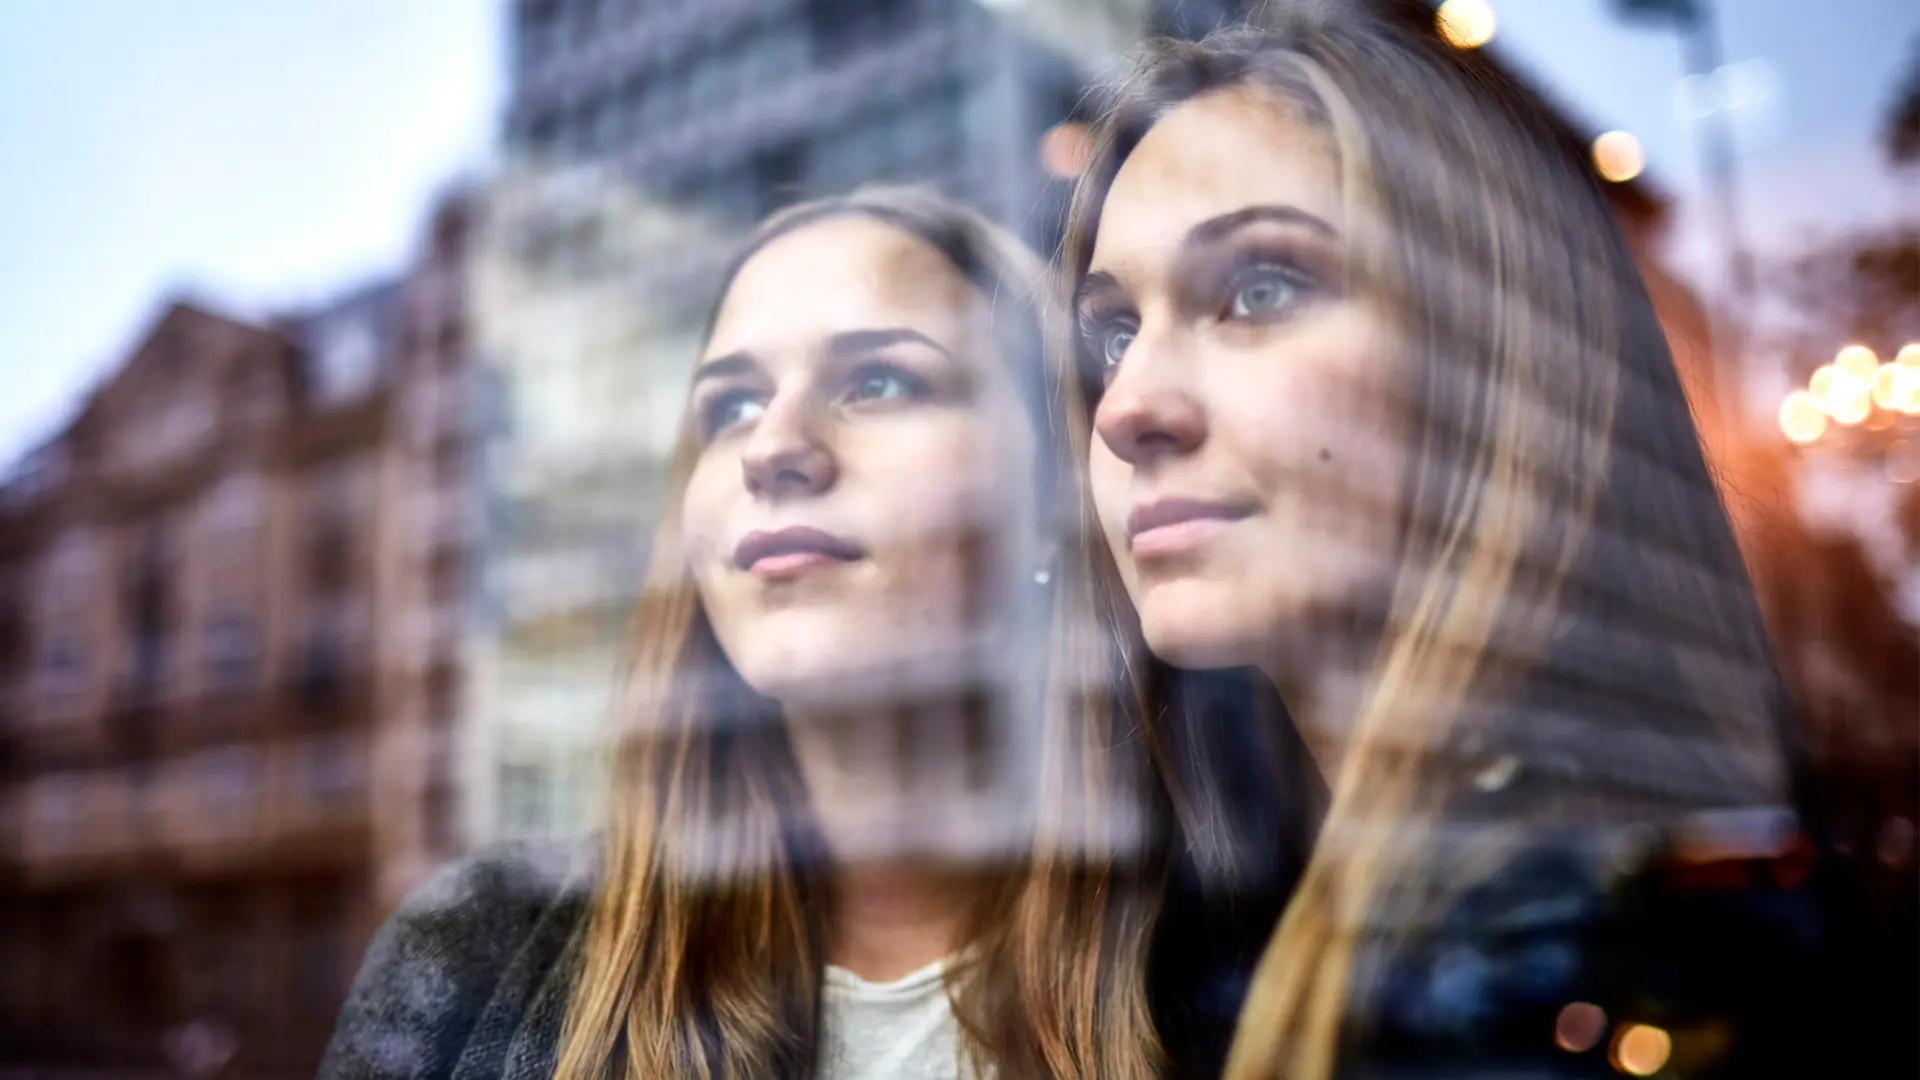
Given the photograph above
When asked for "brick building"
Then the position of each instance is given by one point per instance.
(230, 599)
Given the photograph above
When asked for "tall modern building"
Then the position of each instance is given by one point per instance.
(640, 141)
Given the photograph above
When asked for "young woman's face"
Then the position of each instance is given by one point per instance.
(1249, 449)
(863, 493)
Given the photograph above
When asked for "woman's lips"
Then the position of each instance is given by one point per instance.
(791, 552)
(1174, 526)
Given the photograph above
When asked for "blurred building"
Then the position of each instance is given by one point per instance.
(231, 590)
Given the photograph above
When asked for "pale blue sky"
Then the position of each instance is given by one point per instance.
(270, 152)
(259, 152)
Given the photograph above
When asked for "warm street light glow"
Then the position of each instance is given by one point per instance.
(1909, 354)
(1641, 1049)
(1618, 157)
(1464, 24)
(1822, 379)
(1848, 401)
(1857, 361)
(1801, 418)
(1842, 393)
(1890, 384)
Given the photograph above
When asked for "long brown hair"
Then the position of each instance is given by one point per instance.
(719, 972)
(1566, 571)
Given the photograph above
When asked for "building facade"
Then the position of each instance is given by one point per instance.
(230, 604)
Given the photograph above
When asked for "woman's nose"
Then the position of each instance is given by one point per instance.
(785, 456)
(1150, 409)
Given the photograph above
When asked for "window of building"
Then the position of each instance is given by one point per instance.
(443, 695)
(538, 36)
(58, 810)
(233, 651)
(606, 123)
(336, 502)
(228, 782)
(331, 771)
(148, 595)
(256, 395)
(64, 672)
(70, 576)
(232, 517)
(179, 426)
(584, 19)
(840, 27)
(345, 356)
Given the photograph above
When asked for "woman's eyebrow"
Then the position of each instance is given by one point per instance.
(1094, 286)
(1215, 229)
(854, 343)
(720, 367)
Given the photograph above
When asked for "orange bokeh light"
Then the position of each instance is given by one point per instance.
(1641, 1049)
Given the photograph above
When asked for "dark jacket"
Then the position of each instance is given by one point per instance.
(469, 978)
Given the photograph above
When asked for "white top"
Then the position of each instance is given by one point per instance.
(899, 1030)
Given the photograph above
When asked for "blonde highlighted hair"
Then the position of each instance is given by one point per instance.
(716, 970)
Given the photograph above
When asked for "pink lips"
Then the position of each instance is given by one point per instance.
(1171, 526)
(792, 552)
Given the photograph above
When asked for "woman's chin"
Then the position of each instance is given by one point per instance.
(1199, 637)
(820, 676)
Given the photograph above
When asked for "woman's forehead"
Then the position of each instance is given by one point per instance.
(1212, 155)
(843, 273)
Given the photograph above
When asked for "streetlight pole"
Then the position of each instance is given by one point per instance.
(1701, 42)
(1699, 32)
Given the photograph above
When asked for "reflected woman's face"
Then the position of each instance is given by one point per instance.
(850, 521)
(1248, 452)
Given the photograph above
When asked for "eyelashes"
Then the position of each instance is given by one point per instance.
(1254, 286)
(868, 385)
(728, 408)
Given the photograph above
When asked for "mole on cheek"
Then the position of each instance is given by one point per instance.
(1326, 454)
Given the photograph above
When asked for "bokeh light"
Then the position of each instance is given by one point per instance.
(1801, 417)
(1908, 355)
(1821, 379)
(1641, 1049)
(1580, 1027)
(1465, 24)
(1888, 387)
(1845, 396)
(1857, 361)
(1848, 402)
(1618, 157)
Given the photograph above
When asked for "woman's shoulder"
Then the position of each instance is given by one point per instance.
(1578, 936)
(460, 961)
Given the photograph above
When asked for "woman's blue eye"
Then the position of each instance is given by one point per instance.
(1113, 341)
(734, 407)
(880, 385)
(1262, 290)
